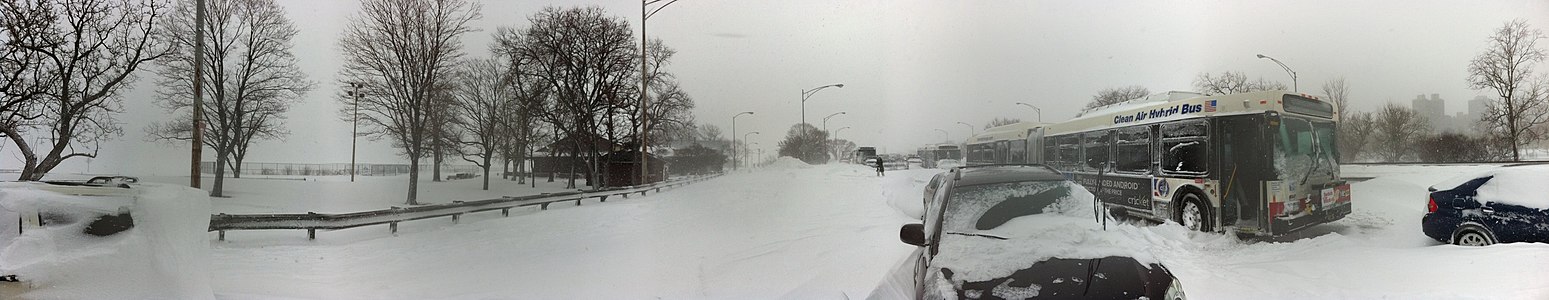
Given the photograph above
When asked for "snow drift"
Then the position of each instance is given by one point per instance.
(164, 256)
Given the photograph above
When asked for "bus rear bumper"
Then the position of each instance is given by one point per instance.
(1281, 226)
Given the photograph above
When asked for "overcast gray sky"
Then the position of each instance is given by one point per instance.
(910, 67)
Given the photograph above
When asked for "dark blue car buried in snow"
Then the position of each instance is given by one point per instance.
(1504, 205)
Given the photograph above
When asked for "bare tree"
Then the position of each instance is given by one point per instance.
(88, 52)
(1118, 94)
(1338, 92)
(1001, 121)
(1355, 133)
(1397, 130)
(587, 60)
(22, 82)
(251, 73)
(1233, 83)
(483, 101)
(398, 51)
(1506, 66)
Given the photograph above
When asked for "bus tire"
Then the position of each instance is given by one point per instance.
(1192, 212)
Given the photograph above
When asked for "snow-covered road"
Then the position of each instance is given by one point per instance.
(830, 232)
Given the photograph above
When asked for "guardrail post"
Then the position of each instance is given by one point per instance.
(505, 212)
(544, 206)
(455, 217)
(658, 189)
(311, 233)
(578, 201)
(603, 198)
(393, 228)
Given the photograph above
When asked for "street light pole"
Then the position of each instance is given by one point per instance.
(734, 138)
(1294, 86)
(645, 83)
(808, 94)
(945, 135)
(836, 137)
(970, 128)
(1035, 108)
(745, 136)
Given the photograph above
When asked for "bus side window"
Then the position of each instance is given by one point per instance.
(1017, 150)
(1184, 150)
(1133, 149)
(1096, 150)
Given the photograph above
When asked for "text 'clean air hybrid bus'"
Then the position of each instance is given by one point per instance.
(1260, 163)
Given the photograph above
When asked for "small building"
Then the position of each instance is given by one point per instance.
(623, 168)
(563, 156)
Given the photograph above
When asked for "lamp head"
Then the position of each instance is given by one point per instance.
(1262, 56)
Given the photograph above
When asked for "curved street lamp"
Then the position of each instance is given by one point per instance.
(734, 138)
(945, 135)
(825, 120)
(836, 138)
(808, 94)
(970, 128)
(745, 138)
(1035, 108)
(1294, 87)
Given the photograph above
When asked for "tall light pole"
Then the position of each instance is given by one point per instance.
(734, 138)
(745, 137)
(970, 128)
(836, 137)
(945, 135)
(354, 127)
(1294, 87)
(198, 153)
(1035, 108)
(808, 94)
(825, 120)
(645, 5)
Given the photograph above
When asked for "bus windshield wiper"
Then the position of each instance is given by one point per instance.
(1317, 157)
(978, 235)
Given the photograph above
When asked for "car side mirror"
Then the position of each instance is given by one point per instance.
(913, 234)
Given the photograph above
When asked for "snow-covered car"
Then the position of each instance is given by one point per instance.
(1003, 232)
(1503, 205)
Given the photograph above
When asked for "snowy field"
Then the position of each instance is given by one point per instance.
(792, 231)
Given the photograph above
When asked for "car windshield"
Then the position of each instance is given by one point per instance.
(985, 207)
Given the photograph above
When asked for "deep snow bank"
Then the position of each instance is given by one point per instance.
(789, 163)
(165, 255)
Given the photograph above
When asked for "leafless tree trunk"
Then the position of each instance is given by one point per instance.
(1506, 66)
(1233, 83)
(1115, 95)
(586, 58)
(89, 50)
(1397, 129)
(1355, 132)
(399, 50)
(483, 99)
(1338, 91)
(251, 73)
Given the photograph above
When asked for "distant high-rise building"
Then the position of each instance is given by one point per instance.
(1434, 110)
(1476, 109)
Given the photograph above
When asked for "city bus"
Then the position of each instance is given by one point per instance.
(1001, 144)
(933, 153)
(1260, 163)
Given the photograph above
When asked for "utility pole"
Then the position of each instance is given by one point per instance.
(354, 128)
(193, 169)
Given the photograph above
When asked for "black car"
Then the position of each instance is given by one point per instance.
(1505, 205)
(980, 240)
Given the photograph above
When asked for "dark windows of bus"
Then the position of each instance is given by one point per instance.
(1070, 152)
(1017, 152)
(1133, 150)
(1096, 150)
(1184, 150)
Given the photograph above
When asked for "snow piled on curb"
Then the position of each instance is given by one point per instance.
(165, 256)
(789, 163)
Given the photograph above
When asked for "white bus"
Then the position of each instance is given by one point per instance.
(931, 154)
(1260, 163)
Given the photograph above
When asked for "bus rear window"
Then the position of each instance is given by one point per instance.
(1303, 105)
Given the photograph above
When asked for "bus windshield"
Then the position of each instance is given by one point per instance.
(1305, 149)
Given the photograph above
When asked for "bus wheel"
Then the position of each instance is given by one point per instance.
(1192, 215)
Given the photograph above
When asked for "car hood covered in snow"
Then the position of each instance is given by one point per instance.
(1113, 277)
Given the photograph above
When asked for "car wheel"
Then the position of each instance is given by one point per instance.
(1192, 215)
(1473, 236)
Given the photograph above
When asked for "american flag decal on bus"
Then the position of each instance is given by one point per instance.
(1210, 106)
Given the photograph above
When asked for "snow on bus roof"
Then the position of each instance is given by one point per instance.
(1016, 130)
(1167, 107)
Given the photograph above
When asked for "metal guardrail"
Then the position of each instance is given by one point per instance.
(311, 222)
(1525, 162)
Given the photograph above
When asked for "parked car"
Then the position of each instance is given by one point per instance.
(979, 240)
(1503, 205)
